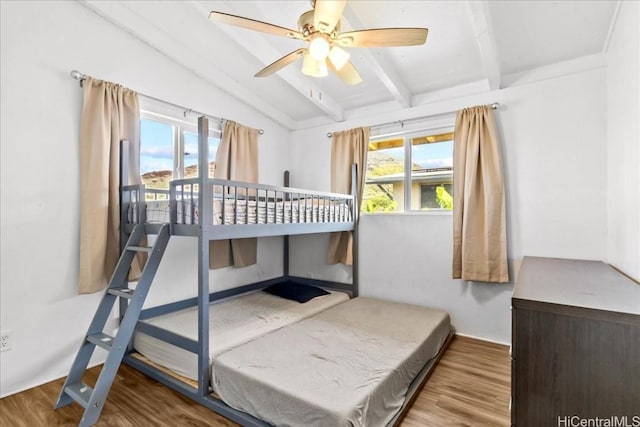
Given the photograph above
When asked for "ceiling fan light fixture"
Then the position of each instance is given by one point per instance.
(319, 48)
(321, 29)
(313, 67)
(338, 57)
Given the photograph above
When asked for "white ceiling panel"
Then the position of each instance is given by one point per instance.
(531, 34)
(449, 58)
(469, 41)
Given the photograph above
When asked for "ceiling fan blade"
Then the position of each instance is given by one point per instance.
(347, 73)
(252, 24)
(280, 63)
(383, 37)
(327, 13)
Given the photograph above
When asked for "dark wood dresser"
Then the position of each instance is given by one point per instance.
(575, 344)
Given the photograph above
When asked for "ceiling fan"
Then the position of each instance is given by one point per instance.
(320, 28)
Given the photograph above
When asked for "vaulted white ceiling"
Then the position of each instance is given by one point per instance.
(478, 45)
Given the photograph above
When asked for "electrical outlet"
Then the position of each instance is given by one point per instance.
(6, 341)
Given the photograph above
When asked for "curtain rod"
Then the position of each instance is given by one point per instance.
(494, 106)
(77, 75)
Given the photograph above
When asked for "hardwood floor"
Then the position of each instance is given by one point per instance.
(469, 387)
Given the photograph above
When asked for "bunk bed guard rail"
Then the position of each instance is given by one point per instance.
(234, 203)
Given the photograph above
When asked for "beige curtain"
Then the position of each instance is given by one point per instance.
(347, 148)
(110, 113)
(479, 225)
(236, 159)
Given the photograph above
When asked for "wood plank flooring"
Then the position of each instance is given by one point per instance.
(469, 387)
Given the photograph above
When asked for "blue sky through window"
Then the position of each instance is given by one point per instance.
(433, 155)
(191, 147)
(156, 146)
(428, 156)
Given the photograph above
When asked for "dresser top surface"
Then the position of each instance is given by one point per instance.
(578, 283)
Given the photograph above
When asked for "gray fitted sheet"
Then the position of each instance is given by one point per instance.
(349, 365)
(231, 323)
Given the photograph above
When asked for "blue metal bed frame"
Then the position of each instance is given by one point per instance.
(205, 231)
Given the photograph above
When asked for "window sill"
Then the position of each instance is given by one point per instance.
(410, 213)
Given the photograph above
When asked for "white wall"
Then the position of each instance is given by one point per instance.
(623, 141)
(40, 112)
(553, 135)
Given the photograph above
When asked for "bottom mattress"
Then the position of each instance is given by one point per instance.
(231, 323)
(349, 365)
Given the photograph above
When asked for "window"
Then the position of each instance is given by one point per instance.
(169, 150)
(412, 172)
(191, 153)
(156, 153)
(384, 177)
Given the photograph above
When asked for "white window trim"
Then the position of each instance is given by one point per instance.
(407, 135)
(179, 127)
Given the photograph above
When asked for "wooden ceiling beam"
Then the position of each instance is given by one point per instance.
(485, 37)
(380, 63)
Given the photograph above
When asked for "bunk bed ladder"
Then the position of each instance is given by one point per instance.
(74, 389)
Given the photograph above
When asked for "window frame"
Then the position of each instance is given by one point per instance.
(180, 126)
(407, 136)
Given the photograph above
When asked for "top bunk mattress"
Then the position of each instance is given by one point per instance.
(232, 322)
(350, 365)
(251, 212)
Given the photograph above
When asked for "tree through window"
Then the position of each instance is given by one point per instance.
(409, 173)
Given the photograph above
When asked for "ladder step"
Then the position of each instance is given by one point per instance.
(79, 392)
(121, 292)
(93, 399)
(101, 340)
(140, 248)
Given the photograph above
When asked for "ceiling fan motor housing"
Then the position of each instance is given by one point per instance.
(306, 27)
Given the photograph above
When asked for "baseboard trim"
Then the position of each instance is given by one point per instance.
(507, 344)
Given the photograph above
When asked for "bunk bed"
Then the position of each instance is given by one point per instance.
(217, 339)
